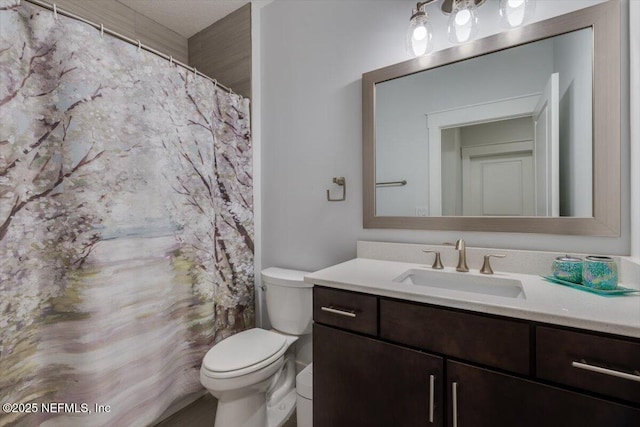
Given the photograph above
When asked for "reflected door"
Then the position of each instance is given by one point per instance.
(498, 180)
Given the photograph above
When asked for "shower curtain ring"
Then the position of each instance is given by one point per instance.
(139, 45)
(170, 60)
(215, 83)
(55, 11)
(101, 31)
(195, 72)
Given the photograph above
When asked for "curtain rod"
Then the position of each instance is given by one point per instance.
(53, 7)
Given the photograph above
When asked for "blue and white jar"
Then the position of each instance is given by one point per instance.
(600, 272)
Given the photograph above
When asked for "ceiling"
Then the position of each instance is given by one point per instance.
(185, 17)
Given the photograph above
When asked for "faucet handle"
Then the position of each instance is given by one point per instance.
(437, 263)
(486, 265)
(459, 244)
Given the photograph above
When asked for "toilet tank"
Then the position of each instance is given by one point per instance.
(289, 300)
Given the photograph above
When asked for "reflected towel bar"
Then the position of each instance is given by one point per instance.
(393, 183)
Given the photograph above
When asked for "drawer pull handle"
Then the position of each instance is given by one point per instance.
(340, 312)
(454, 403)
(432, 381)
(584, 365)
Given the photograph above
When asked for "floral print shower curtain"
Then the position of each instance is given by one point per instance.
(126, 224)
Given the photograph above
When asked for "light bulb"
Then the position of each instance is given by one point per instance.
(462, 17)
(515, 12)
(516, 17)
(419, 40)
(419, 33)
(463, 21)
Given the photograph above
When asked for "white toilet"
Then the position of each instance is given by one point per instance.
(253, 373)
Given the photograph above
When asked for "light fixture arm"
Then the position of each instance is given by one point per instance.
(420, 8)
(449, 6)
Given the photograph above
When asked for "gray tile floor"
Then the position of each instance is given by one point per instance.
(202, 413)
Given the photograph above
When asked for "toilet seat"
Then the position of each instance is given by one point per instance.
(244, 353)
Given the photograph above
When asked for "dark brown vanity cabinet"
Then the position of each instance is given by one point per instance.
(384, 362)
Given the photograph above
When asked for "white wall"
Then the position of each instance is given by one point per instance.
(313, 56)
(256, 136)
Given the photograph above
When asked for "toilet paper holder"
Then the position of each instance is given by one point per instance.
(339, 180)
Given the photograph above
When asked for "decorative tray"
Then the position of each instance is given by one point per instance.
(620, 290)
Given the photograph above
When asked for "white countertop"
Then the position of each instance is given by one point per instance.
(543, 302)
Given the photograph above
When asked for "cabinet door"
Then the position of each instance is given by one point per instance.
(482, 398)
(359, 381)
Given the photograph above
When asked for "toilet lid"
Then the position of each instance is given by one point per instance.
(243, 350)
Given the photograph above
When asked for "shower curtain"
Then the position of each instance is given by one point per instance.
(126, 224)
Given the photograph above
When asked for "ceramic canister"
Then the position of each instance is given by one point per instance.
(600, 272)
(567, 268)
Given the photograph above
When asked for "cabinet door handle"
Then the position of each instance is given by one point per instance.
(584, 365)
(340, 312)
(454, 403)
(432, 382)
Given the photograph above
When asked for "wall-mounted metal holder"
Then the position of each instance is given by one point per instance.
(392, 183)
(341, 182)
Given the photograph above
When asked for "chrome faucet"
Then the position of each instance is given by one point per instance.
(462, 255)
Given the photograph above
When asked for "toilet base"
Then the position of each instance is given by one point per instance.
(281, 397)
(247, 411)
(278, 414)
(252, 411)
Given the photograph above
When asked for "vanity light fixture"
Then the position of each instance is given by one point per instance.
(419, 33)
(463, 21)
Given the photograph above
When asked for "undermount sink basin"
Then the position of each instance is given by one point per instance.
(463, 282)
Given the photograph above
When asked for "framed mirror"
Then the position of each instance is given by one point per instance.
(517, 132)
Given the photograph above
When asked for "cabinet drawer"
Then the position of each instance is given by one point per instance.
(569, 358)
(494, 342)
(347, 310)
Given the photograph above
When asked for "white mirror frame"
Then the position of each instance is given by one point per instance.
(604, 19)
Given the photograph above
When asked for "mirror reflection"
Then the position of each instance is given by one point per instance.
(504, 134)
